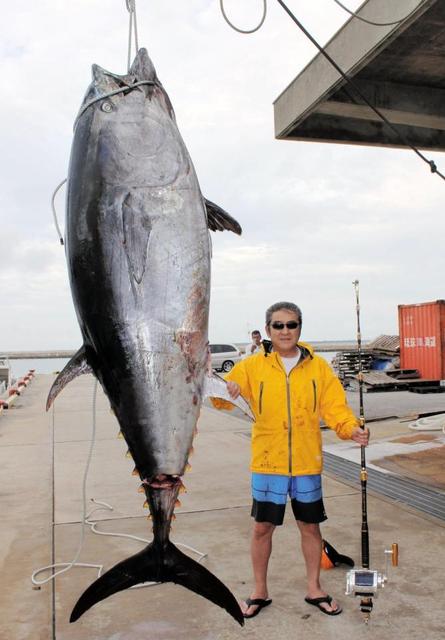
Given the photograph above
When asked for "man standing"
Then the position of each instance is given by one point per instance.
(255, 346)
(289, 389)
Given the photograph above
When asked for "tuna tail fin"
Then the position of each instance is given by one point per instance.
(159, 564)
(75, 367)
(220, 220)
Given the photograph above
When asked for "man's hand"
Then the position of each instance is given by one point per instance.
(233, 388)
(361, 436)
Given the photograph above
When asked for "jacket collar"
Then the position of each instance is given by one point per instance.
(306, 350)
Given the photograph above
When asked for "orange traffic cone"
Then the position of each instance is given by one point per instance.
(330, 558)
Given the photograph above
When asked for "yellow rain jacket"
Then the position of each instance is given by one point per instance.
(286, 436)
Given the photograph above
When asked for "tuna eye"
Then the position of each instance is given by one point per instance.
(107, 107)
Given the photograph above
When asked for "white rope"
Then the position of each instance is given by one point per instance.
(129, 536)
(68, 565)
(430, 423)
(221, 4)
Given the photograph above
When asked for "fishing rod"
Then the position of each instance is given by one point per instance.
(363, 471)
(364, 582)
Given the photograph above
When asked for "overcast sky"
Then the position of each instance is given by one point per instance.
(314, 216)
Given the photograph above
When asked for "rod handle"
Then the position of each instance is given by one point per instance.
(394, 553)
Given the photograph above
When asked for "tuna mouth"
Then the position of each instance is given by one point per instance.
(163, 481)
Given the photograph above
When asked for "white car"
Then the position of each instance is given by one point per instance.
(224, 356)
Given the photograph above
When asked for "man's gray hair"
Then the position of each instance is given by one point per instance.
(289, 306)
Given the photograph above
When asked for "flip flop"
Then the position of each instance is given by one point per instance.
(317, 602)
(260, 603)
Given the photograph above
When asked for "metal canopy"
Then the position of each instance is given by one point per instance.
(400, 69)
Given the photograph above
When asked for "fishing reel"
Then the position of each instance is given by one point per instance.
(365, 583)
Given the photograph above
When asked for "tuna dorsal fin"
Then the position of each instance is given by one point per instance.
(219, 220)
(216, 387)
(77, 366)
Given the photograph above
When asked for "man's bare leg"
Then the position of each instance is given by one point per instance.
(260, 550)
(311, 545)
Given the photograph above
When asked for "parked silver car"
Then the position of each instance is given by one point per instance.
(224, 356)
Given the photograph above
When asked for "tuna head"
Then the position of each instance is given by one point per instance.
(104, 82)
(133, 118)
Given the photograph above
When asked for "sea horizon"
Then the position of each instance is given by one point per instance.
(20, 367)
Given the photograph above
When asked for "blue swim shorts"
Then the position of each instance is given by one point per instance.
(270, 493)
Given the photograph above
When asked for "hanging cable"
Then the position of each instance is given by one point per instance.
(129, 40)
(395, 130)
(131, 6)
(432, 165)
(126, 88)
(133, 28)
(221, 4)
(374, 24)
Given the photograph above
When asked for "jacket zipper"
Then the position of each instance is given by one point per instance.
(260, 403)
(289, 434)
(289, 420)
(314, 385)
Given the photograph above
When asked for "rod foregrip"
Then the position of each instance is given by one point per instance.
(365, 547)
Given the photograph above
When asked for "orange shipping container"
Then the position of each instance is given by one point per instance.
(422, 338)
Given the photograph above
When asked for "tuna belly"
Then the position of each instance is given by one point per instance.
(158, 416)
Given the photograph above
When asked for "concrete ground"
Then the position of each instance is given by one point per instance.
(42, 461)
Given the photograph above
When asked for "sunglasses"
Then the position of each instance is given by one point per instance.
(279, 326)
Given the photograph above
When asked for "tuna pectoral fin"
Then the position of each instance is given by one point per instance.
(216, 387)
(75, 367)
(157, 564)
(219, 220)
